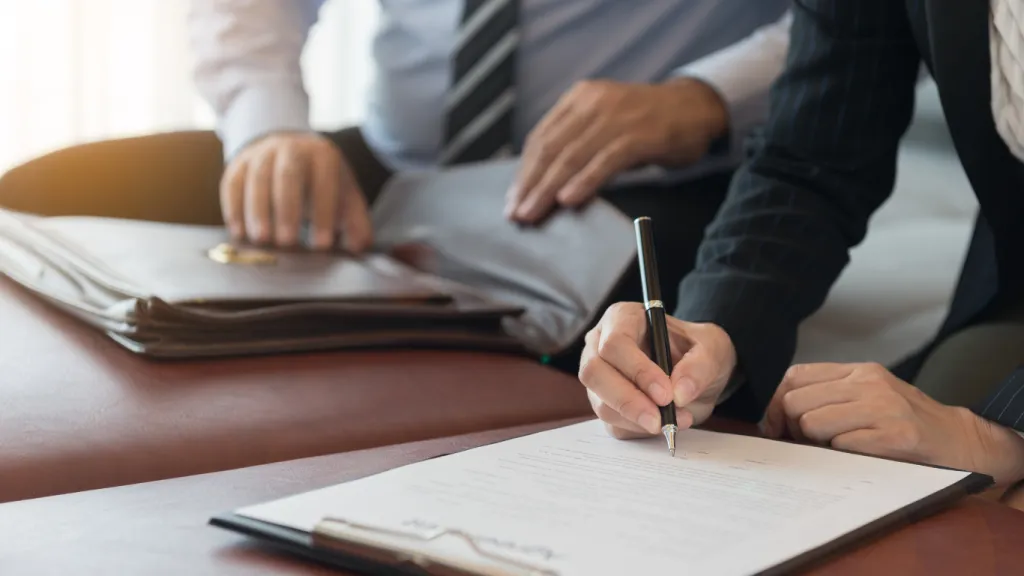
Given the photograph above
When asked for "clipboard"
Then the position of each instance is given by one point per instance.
(325, 546)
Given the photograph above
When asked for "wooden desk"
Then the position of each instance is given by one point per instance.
(78, 412)
(160, 528)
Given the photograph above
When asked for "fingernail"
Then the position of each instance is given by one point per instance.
(650, 423)
(660, 394)
(763, 427)
(686, 389)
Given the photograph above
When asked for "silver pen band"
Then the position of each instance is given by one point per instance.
(654, 304)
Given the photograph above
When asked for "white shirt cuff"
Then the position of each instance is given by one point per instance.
(744, 98)
(258, 111)
(743, 75)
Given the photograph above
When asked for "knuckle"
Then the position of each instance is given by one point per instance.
(630, 408)
(288, 166)
(795, 371)
(236, 166)
(872, 369)
(260, 166)
(809, 423)
(572, 161)
(646, 374)
(604, 412)
(789, 405)
(610, 345)
(623, 309)
(617, 309)
(586, 372)
(546, 150)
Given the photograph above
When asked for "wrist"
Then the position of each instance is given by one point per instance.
(259, 110)
(999, 451)
(706, 106)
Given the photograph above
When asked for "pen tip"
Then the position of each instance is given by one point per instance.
(670, 437)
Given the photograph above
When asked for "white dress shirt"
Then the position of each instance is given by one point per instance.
(247, 62)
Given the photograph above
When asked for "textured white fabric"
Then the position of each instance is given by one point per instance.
(1006, 33)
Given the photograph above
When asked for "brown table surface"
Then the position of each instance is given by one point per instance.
(161, 527)
(78, 412)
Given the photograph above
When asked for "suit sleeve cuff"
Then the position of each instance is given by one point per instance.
(762, 358)
(262, 110)
(1005, 405)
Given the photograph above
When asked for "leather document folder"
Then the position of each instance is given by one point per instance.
(447, 270)
(575, 501)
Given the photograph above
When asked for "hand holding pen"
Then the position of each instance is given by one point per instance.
(629, 387)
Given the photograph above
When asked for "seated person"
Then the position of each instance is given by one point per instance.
(581, 89)
(825, 163)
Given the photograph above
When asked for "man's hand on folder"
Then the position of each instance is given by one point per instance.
(271, 185)
(625, 386)
(602, 128)
(865, 408)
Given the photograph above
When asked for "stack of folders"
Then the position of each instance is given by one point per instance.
(573, 501)
(447, 270)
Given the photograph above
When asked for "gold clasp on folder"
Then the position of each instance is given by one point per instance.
(330, 533)
(228, 254)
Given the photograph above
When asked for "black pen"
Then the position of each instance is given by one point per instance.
(656, 325)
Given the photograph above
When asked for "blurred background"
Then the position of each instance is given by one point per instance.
(75, 71)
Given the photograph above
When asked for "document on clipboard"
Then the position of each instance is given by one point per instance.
(573, 501)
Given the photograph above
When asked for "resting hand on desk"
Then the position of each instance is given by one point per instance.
(864, 408)
(626, 387)
(601, 128)
(271, 184)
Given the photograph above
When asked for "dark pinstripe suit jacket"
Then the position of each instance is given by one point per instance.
(827, 159)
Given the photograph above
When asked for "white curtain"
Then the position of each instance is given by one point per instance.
(74, 71)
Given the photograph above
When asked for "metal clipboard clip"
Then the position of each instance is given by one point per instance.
(327, 535)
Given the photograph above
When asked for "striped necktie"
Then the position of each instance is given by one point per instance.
(480, 103)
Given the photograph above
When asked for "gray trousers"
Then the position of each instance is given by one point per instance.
(968, 365)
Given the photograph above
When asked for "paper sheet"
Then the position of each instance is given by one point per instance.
(575, 501)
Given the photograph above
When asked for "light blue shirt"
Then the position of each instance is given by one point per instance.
(248, 51)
